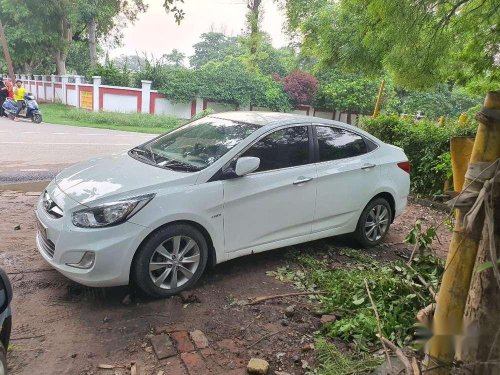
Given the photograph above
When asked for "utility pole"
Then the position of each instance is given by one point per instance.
(6, 53)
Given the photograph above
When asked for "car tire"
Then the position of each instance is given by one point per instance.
(3, 360)
(159, 272)
(374, 223)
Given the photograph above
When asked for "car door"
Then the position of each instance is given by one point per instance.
(277, 201)
(347, 175)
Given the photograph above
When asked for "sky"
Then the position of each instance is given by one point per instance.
(156, 32)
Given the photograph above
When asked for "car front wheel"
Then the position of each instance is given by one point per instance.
(373, 223)
(170, 261)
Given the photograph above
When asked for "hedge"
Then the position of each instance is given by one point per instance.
(425, 143)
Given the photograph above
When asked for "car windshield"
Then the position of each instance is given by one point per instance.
(195, 146)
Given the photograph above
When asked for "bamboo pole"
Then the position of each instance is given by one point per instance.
(376, 111)
(460, 262)
(462, 119)
(460, 151)
(441, 121)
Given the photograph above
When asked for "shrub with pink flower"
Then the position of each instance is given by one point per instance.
(301, 87)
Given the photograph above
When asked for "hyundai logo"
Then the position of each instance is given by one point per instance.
(47, 202)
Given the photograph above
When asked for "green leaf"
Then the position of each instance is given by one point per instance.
(358, 301)
(486, 265)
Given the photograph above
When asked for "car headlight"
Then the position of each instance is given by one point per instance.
(110, 213)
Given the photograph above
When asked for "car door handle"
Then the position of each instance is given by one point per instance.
(302, 180)
(367, 166)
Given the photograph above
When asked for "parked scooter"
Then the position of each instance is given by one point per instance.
(30, 109)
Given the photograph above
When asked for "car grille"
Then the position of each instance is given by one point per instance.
(51, 207)
(45, 244)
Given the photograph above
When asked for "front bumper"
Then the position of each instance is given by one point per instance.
(114, 248)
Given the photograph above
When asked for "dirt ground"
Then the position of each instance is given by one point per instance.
(63, 328)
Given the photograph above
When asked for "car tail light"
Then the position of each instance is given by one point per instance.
(405, 166)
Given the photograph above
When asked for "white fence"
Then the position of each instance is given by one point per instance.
(75, 92)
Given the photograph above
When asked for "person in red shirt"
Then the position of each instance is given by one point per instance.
(10, 89)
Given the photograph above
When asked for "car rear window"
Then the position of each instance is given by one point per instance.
(337, 143)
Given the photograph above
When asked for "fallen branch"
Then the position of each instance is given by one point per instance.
(379, 327)
(424, 282)
(103, 366)
(399, 353)
(32, 271)
(133, 369)
(266, 298)
(417, 238)
(416, 367)
(27, 337)
(264, 337)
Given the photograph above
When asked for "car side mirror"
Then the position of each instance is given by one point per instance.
(246, 165)
(5, 291)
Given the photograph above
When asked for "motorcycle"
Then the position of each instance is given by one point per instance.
(30, 109)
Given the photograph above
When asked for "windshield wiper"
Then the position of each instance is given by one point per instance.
(175, 164)
(163, 162)
(145, 153)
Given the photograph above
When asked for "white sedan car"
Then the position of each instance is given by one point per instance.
(218, 188)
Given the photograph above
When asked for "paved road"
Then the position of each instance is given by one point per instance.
(35, 152)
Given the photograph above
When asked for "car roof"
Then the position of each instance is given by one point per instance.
(264, 118)
(275, 119)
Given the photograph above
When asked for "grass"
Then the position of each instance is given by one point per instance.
(132, 122)
(334, 362)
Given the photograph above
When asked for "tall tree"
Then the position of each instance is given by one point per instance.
(214, 46)
(5, 47)
(420, 42)
(38, 30)
(253, 19)
(131, 62)
(175, 58)
(37, 33)
(100, 17)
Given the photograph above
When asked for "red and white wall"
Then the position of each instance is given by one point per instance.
(95, 96)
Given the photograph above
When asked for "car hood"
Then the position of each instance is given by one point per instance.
(118, 176)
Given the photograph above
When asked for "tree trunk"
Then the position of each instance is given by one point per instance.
(254, 25)
(349, 119)
(481, 343)
(92, 27)
(5, 47)
(61, 54)
(60, 63)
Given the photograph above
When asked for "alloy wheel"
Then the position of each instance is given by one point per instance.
(174, 262)
(377, 222)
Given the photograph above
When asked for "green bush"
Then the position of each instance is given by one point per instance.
(425, 144)
(152, 70)
(111, 75)
(180, 84)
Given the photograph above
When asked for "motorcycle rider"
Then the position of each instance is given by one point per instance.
(19, 92)
(4, 92)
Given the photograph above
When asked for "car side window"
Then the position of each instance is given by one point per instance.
(337, 143)
(283, 148)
